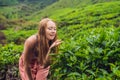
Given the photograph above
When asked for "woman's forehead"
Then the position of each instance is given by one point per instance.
(51, 24)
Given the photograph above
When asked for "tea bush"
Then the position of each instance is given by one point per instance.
(9, 57)
(18, 37)
(91, 55)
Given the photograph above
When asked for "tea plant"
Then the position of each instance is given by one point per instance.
(92, 56)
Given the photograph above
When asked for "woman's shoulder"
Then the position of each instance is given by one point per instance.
(31, 40)
(29, 43)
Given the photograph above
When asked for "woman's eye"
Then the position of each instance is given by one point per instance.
(50, 28)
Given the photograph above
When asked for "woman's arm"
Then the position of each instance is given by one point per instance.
(29, 43)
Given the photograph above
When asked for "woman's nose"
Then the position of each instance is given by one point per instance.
(53, 30)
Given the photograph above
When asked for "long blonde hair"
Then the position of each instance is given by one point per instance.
(43, 44)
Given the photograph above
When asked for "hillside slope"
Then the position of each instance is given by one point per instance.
(13, 15)
(63, 4)
(93, 16)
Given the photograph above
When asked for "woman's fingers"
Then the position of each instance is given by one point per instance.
(56, 43)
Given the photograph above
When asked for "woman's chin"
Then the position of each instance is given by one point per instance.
(50, 38)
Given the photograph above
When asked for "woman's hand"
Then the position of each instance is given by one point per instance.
(56, 43)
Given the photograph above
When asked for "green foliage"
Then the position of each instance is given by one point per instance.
(62, 4)
(93, 16)
(9, 54)
(18, 37)
(8, 2)
(14, 9)
(93, 54)
(2, 22)
(30, 26)
(9, 57)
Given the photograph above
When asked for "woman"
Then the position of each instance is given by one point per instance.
(34, 63)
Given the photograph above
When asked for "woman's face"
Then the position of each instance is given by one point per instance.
(50, 30)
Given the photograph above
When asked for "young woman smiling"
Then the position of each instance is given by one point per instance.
(34, 63)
